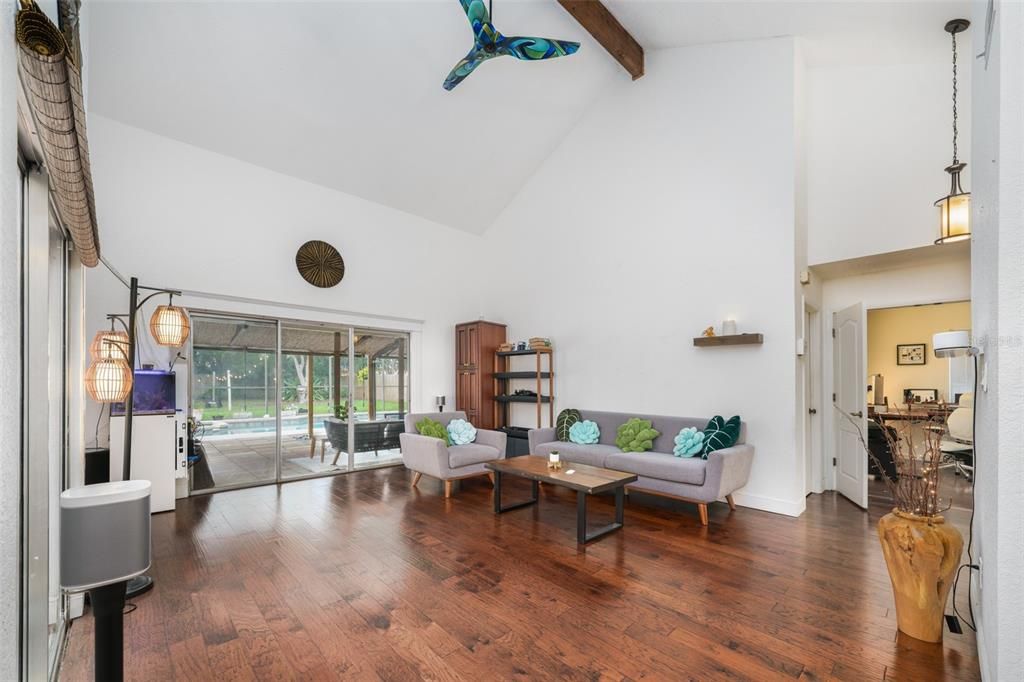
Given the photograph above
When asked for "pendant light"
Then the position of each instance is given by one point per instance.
(169, 325)
(108, 380)
(955, 208)
(109, 345)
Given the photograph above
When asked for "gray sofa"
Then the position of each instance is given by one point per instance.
(659, 472)
(433, 457)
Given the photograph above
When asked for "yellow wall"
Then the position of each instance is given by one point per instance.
(915, 324)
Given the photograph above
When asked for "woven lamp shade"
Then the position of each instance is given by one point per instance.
(108, 381)
(109, 345)
(169, 325)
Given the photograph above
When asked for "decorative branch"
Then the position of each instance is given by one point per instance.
(914, 490)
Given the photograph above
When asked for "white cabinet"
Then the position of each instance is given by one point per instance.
(155, 455)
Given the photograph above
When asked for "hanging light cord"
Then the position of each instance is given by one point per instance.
(955, 131)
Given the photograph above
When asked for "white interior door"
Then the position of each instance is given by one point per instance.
(851, 403)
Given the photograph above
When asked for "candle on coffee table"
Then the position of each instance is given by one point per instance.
(553, 458)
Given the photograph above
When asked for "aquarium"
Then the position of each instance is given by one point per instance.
(153, 393)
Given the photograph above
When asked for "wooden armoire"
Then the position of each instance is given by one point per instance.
(475, 345)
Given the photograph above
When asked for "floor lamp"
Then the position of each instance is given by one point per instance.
(170, 327)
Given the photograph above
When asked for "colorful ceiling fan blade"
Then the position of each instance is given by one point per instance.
(476, 12)
(530, 49)
(464, 68)
(489, 43)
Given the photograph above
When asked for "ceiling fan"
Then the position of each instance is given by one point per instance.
(488, 43)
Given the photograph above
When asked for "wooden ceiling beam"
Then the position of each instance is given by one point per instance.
(606, 29)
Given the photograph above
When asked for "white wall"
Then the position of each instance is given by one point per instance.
(178, 216)
(998, 320)
(932, 283)
(879, 135)
(670, 207)
(10, 352)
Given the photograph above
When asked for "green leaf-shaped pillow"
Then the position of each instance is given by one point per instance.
(433, 428)
(636, 435)
(566, 418)
(720, 434)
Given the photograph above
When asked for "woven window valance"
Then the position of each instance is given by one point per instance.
(53, 84)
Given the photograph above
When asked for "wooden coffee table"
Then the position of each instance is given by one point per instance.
(584, 479)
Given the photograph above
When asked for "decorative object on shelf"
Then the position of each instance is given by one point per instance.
(584, 432)
(440, 402)
(920, 395)
(636, 435)
(911, 353)
(461, 432)
(169, 324)
(720, 434)
(709, 332)
(689, 442)
(921, 550)
(554, 461)
(489, 43)
(432, 429)
(731, 340)
(108, 380)
(728, 327)
(320, 264)
(564, 422)
(955, 207)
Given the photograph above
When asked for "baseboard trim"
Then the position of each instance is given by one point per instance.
(770, 504)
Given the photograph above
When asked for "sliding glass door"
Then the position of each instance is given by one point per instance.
(234, 402)
(314, 400)
(381, 394)
(274, 400)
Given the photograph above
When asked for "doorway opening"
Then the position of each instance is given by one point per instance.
(888, 381)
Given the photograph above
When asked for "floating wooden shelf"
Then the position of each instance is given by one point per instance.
(729, 340)
(521, 375)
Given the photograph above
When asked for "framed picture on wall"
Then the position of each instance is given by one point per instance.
(911, 353)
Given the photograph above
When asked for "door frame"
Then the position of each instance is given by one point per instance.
(812, 430)
(826, 366)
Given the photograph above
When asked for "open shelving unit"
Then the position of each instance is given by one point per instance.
(504, 394)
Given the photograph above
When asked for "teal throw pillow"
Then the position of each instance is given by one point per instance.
(461, 432)
(636, 435)
(564, 422)
(433, 428)
(720, 434)
(584, 432)
(689, 442)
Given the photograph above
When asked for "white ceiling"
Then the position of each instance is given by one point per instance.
(347, 94)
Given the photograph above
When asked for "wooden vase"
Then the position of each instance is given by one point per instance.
(922, 554)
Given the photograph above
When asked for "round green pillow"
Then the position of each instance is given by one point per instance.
(636, 435)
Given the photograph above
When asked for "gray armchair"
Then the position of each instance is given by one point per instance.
(433, 457)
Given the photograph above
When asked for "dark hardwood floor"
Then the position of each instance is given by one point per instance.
(361, 577)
